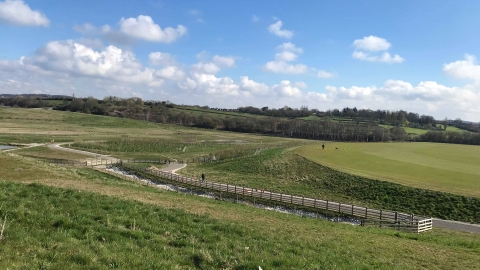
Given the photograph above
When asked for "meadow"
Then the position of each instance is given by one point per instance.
(78, 218)
(450, 168)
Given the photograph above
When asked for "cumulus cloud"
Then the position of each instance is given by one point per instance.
(144, 28)
(301, 85)
(16, 12)
(372, 43)
(130, 29)
(223, 61)
(161, 58)
(285, 56)
(286, 89)
(285, 68)
(288, 52)
(383, 58)
(324, 75)
(277, 30)
(463, 69)
(72, 59)
(288, 46)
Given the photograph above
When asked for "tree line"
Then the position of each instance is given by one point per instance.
(283, 122)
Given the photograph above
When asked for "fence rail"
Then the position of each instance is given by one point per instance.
(400, 221)
(370, 216)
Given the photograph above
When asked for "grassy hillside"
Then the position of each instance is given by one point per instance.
(78, 226)
(444, 167)
(288, 172)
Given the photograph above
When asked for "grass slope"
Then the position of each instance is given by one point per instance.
(444, 167)
(290, 173)
(49, 228)
(96, 221)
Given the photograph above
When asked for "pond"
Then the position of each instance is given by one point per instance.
(5, 147)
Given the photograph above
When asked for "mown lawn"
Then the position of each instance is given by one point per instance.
(444, 167)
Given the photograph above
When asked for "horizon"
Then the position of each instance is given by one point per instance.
(404, 55)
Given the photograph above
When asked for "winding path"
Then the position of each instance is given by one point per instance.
(173, 167)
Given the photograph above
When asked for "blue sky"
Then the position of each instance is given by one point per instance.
(414, 55)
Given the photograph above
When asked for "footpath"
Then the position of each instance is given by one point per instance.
(173, 167)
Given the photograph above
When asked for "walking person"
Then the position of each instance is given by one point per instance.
(203, 177)
(323, 146)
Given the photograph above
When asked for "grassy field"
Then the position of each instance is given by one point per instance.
(444, 167)
(71, 218)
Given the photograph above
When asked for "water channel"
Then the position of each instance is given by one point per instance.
(5, 147)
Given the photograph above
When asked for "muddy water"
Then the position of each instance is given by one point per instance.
(5, 147)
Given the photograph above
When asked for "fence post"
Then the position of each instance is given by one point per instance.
(303, 201)
(381, 211)
(352, 209)
(314, 203)
(327, 205)
(366, 212)
(339, 205)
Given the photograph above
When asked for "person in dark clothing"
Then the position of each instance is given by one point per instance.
(203, 177)
(323, 146)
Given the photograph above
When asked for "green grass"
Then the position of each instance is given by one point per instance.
(409, 130)
(290, 173)
(444, 167)
(46, 152)
(50, 228)
(88, 224)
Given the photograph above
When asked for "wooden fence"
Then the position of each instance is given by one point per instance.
(369, 216)
(400, 221)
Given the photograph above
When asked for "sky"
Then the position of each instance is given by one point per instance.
(418, 56)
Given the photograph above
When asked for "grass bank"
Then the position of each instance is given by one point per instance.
(284, 171)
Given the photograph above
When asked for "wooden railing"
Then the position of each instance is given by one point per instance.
(370, 216)
(405, 222)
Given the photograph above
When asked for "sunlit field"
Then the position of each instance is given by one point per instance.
(443, 167)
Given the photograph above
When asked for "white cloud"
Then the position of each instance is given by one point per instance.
(286, 89)
(276, 29)
(16, 12)
(171, 73)
(255, 18)
(383, 58)
(71, 59)
(353, 92)
(285, 68)
(372, 43)
(253, 87)
(224, 61)
(463, 69)
(288, 46)
(285, 56)
(160, 58)
(143, 27)
(301, 85)
(324, 75)
(209, 68)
